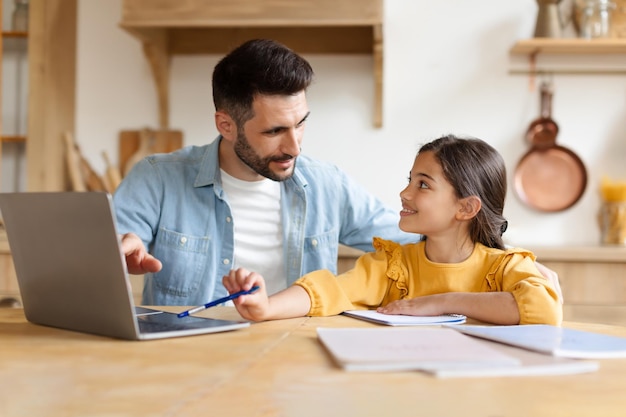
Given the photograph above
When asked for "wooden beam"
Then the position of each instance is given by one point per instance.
(52, 86)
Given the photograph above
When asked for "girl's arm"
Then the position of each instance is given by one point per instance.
(291, 302)
(489, 307)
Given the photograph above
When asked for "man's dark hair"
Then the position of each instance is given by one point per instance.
(259, 66)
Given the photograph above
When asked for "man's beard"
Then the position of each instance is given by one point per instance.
(261, 165)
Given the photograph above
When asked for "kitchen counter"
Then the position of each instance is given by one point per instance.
(595, 253)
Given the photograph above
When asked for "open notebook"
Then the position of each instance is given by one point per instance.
(72, 274)
(403, 320)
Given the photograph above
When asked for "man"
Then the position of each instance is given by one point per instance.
(248, 199)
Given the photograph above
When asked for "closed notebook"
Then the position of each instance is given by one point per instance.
(553, 340)
(402, 349)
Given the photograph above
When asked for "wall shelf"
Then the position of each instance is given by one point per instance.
(569, 46)
(569, 56)
(14, 34)
(171, 27)
(13, 139)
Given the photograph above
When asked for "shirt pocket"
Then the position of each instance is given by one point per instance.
(183, 257)
(320, 252)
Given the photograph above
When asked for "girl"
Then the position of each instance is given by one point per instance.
(454, 199)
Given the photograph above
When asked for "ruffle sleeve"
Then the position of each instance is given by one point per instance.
(537, 300)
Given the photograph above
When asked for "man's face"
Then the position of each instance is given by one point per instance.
(269, 143)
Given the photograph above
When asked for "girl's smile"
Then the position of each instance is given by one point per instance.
(406, 211)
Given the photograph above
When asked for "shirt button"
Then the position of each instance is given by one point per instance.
(226, 261)
(314, 242)
(229, 219)
(183, 240)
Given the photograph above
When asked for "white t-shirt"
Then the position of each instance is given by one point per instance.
(255, 208)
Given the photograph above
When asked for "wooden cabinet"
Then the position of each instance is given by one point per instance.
(8, 283)
(51, 97)
(52, 85)
(14, 90)
(18, 38)
(170, 27)
(51, 50)
(593, 280)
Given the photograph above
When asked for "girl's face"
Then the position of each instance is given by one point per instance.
(429, 203)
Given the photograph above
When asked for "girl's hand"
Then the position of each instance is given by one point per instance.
(428, 305)
(498, 307)
(253, 306)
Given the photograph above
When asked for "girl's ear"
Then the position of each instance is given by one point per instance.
(469, 207)
(225, 125)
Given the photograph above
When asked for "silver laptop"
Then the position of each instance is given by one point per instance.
(72, 274)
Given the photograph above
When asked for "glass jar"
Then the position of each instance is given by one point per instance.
(612, 219)
(595, 18)
(19, 21)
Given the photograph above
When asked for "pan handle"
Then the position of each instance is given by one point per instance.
(546, 99)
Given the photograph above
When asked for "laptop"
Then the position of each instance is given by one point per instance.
(72, 274)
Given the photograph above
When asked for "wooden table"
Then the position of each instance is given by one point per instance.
(269, 369)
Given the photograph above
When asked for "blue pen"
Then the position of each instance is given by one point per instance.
(217, 302)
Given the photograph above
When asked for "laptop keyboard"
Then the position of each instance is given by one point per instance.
(151, 321)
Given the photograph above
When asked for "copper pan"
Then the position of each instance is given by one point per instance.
(549, 177)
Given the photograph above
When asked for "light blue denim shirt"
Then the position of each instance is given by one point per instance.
(176, 204)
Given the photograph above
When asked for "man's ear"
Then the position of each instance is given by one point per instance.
(469, 207)
(225, 125)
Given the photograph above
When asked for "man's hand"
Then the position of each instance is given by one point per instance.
(138, 260)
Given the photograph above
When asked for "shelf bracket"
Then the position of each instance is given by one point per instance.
(377, 52)
(155, 48)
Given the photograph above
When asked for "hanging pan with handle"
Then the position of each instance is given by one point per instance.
(549, 177)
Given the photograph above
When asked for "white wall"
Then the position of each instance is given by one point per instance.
(446, 71)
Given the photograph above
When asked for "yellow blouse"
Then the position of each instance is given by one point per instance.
(398, 271)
